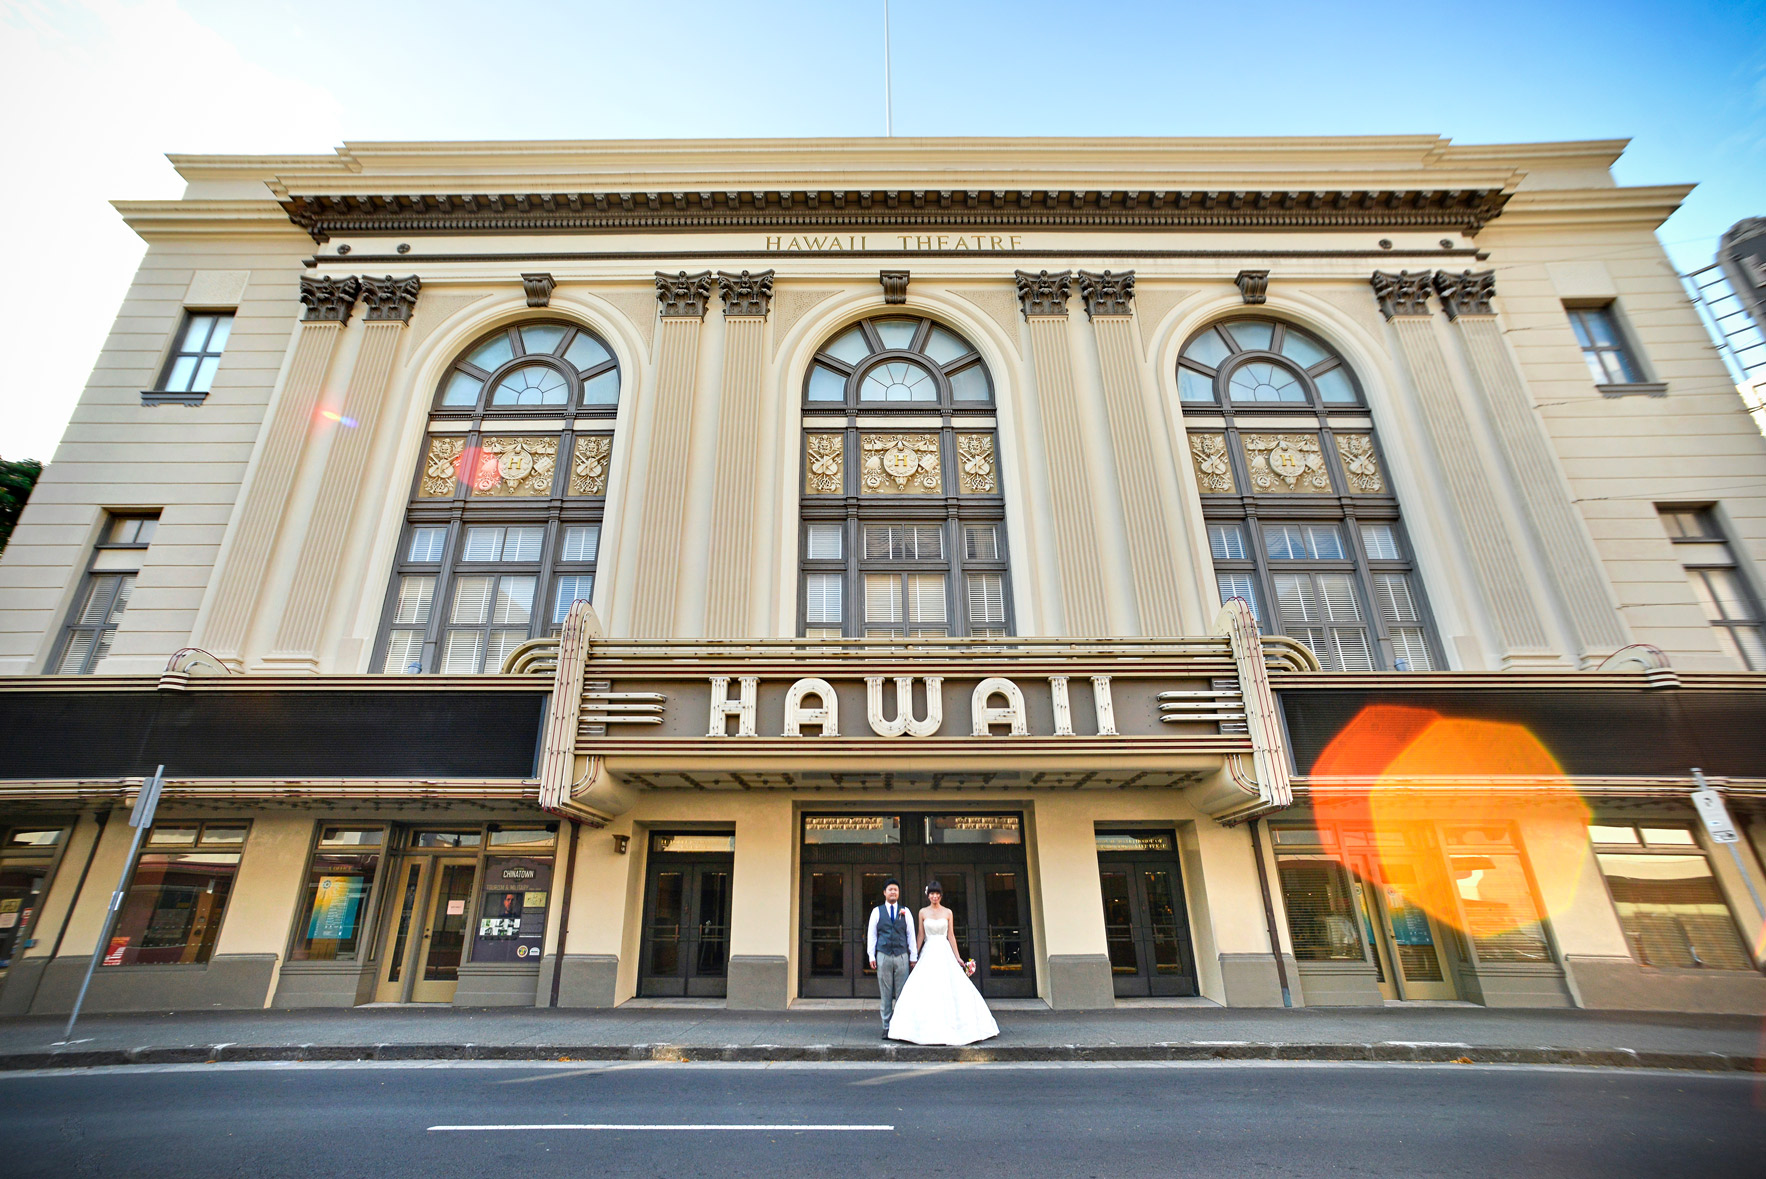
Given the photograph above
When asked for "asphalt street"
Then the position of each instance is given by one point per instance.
(1027, 1122)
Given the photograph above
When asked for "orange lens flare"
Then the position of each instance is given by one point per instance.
(1396, 773)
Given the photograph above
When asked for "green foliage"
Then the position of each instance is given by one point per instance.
(16, 480)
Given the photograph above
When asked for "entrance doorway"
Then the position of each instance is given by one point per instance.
(1146, 926)
(428, 934)
(978, 859)
(1409, 949)
(686, 941)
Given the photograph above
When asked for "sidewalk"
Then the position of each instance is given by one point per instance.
(681, 1033)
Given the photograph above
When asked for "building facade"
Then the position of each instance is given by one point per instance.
(1291, 571)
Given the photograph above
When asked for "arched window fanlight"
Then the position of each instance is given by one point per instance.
(1262, 362)
(898, 360)
(533, 366)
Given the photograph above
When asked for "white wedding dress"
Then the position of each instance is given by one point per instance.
(939, 1005)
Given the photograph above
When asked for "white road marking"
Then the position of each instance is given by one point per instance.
(648, 1126)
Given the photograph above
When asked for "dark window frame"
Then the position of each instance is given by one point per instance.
(951, 511)
(1343, 506)
(1697, 847)
(1714, 537)
(90, 581)
(1627, 358)
(162, 392)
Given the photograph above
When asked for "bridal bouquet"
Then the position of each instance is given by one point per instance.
(969, 967)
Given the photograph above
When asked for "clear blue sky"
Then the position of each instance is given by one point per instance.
(112, 84)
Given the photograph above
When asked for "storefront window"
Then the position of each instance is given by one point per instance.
(1669, 904)
(177, 896)
(339, 884)
(512, 912)
(1321, 909)
(1501, 917)
(26, 861)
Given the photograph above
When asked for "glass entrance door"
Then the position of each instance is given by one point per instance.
(1407, 940)
(686, 946)
(444, 932)
(1146, 928)
(405, 932)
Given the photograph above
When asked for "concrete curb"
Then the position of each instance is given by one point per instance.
(1709, 1062)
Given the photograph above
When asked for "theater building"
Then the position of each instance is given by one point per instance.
(1297, 571)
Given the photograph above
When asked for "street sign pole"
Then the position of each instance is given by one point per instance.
(1709, 804)
(140, 818)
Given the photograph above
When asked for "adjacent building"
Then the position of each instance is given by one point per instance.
(1308, 571)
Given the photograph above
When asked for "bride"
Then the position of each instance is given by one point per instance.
(939, 1005)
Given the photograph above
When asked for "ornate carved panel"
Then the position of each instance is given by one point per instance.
(589, 458)
(1361, 466)
(683, 295)
(1403, 293)
(1214, 471)
(977, 472)
(329, 299)
(1043, 293)
(1286, 462)
(514, 466)
(538, 289)
(1466, 293)
(441, 468)
(745, 293)
(824, 464)
(390, 299)
(1108, 293)
(900, 464)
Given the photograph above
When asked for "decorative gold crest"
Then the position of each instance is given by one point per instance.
(1360, 465)
(901, 464)
(514, 466)
(975, 467)
(588, 464)
(824, 456)
(1214, 472)
(1286, 462)
(441, 468)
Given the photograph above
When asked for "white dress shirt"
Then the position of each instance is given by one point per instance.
(883, 912)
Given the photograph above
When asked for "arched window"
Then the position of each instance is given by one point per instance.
(1302, 520)
(505, 519)
(903, 523)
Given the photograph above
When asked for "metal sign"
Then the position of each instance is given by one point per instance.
(1716, 816)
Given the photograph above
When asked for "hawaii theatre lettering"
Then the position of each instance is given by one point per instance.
(844, 243)
(996, 708)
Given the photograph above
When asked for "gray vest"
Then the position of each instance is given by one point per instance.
(892, 937)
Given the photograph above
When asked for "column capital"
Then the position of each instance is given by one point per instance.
(390, 299)
(538, 289)
(1253, 285)
(1466, 293)
(1108, 293)
(745, 293)
(329, 300)
(1404, 293)
(683, 295)
(1044, 295)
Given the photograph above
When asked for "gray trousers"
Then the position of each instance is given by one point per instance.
(892, 975)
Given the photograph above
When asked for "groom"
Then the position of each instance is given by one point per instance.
(889, 944)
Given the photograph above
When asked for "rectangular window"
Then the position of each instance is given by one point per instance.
(191, 367)
(104, 595)
(1321, 909)
(340, 881)
(987, 604)
(1669, 905)
(1321, 610)
(1501, 917)
(177, 895)
(822, 605)
(1240, 585)
(1603, 348)
(1718, 583)
(512, 911)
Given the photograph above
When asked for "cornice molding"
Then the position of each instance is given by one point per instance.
(1404, 293)
(745, 293)
(329, 300)
(1459, 209)
(1108, 293)
(1043, 295)
(1466, 293)
(683, 295)
(161, 219)
(390, 299)
(1645, 206)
